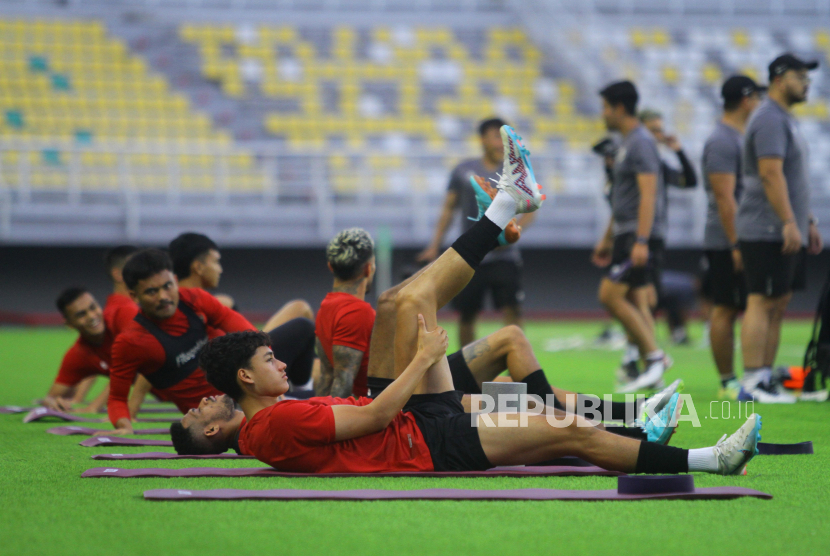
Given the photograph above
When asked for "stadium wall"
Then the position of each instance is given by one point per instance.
(558, 283)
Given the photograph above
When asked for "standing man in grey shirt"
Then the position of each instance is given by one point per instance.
(632, 246)
(500, 271)
(723, 179)
(775, 225)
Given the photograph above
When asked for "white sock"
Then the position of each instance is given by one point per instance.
(703, 459)
(653, 356)
(753, 378)
(632, 353)
(502, 210)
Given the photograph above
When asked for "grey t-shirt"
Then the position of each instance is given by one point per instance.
(721, 155)
(637, 155)
(773, 133)
(460, 184)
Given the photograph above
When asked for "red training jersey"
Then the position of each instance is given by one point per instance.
(344, 320)
(119, 311)
(298, 436)
(84, 359)
(136, 350)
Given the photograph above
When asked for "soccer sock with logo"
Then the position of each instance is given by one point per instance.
(480, 239)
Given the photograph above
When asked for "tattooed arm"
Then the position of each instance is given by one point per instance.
(322, 384)
(346, 365)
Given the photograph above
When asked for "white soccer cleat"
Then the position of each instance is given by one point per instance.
(734, 453)
(817, 396)
(517, 177)
(650, 378)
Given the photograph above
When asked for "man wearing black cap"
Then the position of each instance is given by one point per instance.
(722, 177)
(633, 243)
(775, 226)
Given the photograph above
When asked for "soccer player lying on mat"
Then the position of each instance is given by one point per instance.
(196, 263)
(417, 423)
(163, 341)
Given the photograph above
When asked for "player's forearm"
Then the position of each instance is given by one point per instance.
(117, 407)
(645, 213)
(391, 401)
(689, 176)
(99, 400)
(775, 188)
(727, 209)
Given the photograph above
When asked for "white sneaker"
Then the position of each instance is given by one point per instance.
(649, 379)
(817, 396)
(764, 390)
(517, 177)
(734, 453)
(658, 401)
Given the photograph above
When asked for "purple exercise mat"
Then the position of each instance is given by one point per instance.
(165, 455)
(12, 409)
(44, 413)
(270, 472)
(122, 441)
(711, 493)
(67, 430)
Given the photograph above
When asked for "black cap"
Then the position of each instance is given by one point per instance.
(739, 86)
(789, 62)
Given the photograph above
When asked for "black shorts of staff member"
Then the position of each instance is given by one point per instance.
(622, 271)
(770, 272)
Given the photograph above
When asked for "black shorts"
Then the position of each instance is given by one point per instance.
(462, 377)
(449, 433)
(725, 286)
(502, 278)
(770, 272)
(621, 270)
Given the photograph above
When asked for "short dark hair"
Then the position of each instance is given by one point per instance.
(186, 443)
(187, 248)
(622, 92)
(68, 297)
(488, 124)
(117, 256)
(222, 357)
(348, 251)
(145, 263)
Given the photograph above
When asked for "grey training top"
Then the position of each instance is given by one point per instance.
(721, 155)
(773, 133)
(460, 184)
(637, 155)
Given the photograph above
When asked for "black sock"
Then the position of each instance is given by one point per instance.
(629, 432)
(656, 459)
(538, 385)
(475, 243)
(725, 379)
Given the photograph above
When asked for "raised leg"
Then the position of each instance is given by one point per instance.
(290, 311)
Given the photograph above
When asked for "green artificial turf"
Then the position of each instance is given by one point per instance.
(48, 509)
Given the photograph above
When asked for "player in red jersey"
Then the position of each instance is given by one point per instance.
(119, 310)
(163, 341)
(196, 263)
(345, 320)
(88, 357)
